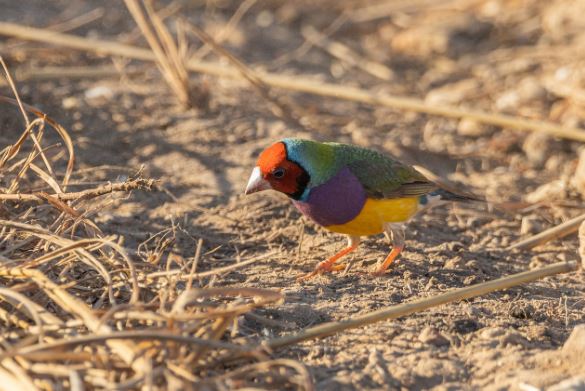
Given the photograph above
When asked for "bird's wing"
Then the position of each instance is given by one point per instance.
(383, 177)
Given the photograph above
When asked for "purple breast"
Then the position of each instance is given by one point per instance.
(337, 201)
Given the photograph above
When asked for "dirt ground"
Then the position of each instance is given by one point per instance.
(524, 58)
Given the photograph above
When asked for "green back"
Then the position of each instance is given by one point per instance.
(381, 176)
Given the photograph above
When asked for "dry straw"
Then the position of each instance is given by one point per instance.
(405, 309)
(80, 310)
(582, 244)
(297, 83)
(559, 231)
(167, 54)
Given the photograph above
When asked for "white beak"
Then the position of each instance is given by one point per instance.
(256, 182)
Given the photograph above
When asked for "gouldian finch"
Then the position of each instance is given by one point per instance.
(347, 189)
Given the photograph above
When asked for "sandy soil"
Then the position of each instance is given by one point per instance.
(516, 57)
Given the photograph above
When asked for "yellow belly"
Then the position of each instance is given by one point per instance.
(375, 213)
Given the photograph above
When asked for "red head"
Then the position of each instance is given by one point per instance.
(275, 171)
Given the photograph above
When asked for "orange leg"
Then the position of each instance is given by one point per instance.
(396, 250)
(329, 264)
(396, 235)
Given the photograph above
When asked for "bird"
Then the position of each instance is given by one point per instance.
(350, 190)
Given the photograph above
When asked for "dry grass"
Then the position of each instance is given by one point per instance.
(300, 84)
(81, 310)
(143, 327)
(170, 56)
(561, 230)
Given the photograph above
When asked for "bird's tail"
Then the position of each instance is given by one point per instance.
(446, 192)
(448, 195)
(441, 195)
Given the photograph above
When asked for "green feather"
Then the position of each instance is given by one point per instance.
(381, 176)
(319, 159)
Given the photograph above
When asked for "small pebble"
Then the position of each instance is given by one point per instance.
(454, 263)
(508, 101)
(473, 264)
(99, 92)
(531, 89)
(555, 190)
(430, 335)
(530, 225)
(490, 333)
(472, 128)
(70, 102)
(538, 147)
(575, 345)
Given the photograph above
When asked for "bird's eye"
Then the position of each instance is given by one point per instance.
(278, 173)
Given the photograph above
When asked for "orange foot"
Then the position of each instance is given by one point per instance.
(396, 250)
(329, 265)
(321, 269)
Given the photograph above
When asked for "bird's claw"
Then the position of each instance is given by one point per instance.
(307, 276)
(337, 268)
(321, 268)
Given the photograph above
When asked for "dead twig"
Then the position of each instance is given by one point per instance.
(582, 244)
(304, 48)
(129, 185)
(33, 137)
(561, 230)
(132, 335)
(346, 54)
(55, 125)
(213, 272)
(72, 72)
(401, 310)
(79, 21)
(279, 108)
(228, 29)
(14, 91)
(167, 54)
(387, 8)
(125, 350)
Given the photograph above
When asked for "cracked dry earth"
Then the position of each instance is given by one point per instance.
(498, 341)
